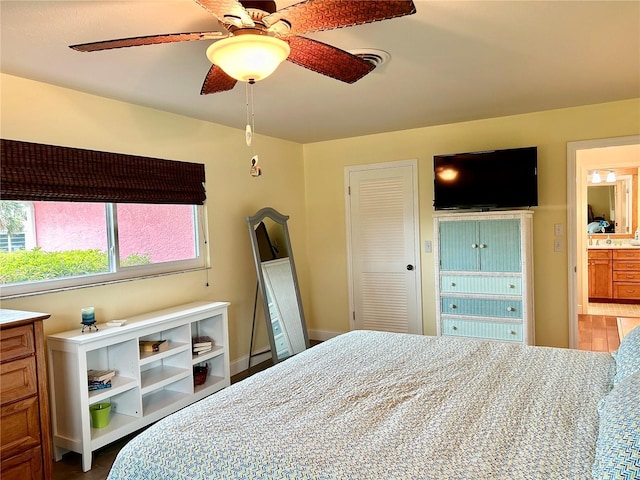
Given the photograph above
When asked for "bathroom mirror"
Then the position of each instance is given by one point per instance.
(278, 283)
(614, 202)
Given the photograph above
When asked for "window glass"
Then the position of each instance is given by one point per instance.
(11, 243)
(14, 218)
(155, 233)
(70, 239)
(50, 245)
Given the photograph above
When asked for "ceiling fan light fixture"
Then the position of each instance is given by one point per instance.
(596, 178)
(248, 57)
(611, 177)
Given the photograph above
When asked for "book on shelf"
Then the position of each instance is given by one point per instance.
(200, 352)
(198, 349)
(100, 375)
(202, 342)
(153, 345)
(101, 382)
(99, 385)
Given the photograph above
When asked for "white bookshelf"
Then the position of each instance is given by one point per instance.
(147, 386)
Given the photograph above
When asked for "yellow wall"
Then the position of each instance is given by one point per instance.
(38, 112)
(549, 131)
(305, 182)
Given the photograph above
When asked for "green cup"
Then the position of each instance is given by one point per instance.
(100, 414)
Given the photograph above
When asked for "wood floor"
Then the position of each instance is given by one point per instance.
(597, 333)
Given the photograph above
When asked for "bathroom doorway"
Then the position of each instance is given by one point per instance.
(583, 158)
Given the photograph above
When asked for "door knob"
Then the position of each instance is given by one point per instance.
(409, 267)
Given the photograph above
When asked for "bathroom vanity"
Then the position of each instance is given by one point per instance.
(614, 273)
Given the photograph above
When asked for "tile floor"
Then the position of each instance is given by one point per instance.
(614, 309)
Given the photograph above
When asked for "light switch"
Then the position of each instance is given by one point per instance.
(557, 245)
(558, 230)
(427, 246)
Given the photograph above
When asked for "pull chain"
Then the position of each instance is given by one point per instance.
(249, 127)
(256, 171)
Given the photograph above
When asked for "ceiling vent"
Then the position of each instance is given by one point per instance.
(375, 57)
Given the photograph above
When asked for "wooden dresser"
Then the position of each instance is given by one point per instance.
(626, 274)
(25, 433)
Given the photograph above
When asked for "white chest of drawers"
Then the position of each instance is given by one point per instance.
(484, 275)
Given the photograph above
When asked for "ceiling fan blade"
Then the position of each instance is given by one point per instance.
(327, 60)
(217, 81)
(148, 40)
(315, 15)
(231, 9)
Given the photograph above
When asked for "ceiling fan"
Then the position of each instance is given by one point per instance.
(251, 24)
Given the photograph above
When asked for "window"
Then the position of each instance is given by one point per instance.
(12, 242)
(14, 225)
(71, 217)
(80, 244)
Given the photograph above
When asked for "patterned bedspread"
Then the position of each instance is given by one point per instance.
(373, 405)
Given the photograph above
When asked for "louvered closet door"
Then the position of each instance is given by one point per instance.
(384, 248)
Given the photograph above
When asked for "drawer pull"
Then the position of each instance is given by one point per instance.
(511, 285)
(453, 284)
(453, 305)
(482, 245)
(512, 332)
(511, 309)
(453, 327)
(474, 245)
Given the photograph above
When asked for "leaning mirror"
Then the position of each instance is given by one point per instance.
(278, 283)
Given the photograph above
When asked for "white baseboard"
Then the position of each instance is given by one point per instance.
(323, 335)
(241, 364)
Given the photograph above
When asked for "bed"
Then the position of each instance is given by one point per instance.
(373, 405)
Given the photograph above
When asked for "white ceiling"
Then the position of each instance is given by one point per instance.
(452, 61)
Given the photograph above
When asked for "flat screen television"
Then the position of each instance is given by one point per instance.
(486, 180)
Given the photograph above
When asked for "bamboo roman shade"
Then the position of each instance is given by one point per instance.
(37, 172)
